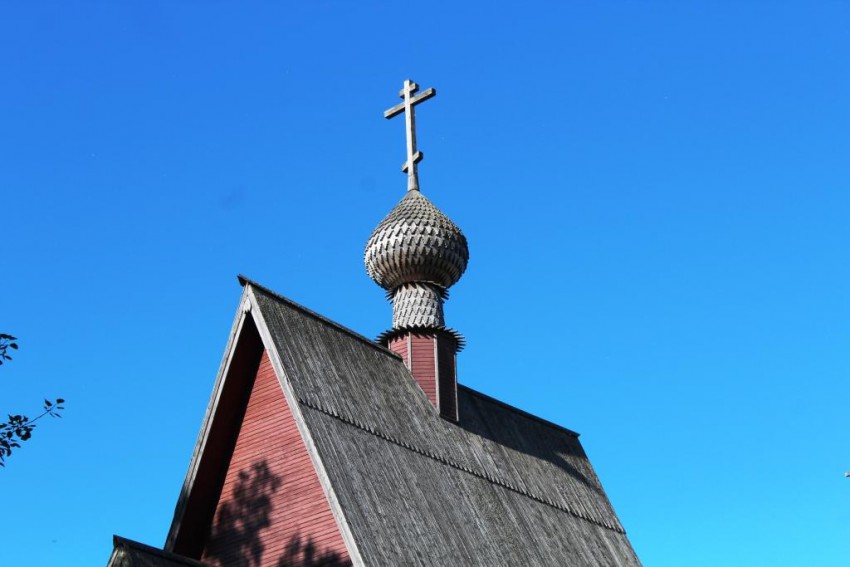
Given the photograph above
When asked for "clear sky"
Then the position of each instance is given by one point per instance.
(656, 196)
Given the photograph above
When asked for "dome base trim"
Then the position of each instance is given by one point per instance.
(384, 338)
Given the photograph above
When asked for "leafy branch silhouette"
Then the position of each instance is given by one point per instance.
(19, 427)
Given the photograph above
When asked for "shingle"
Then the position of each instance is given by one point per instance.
(500, 487)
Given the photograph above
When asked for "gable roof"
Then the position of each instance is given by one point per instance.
(408, 487)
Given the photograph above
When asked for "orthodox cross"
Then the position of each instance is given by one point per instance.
(414, 156)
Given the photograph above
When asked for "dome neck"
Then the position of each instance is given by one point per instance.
(418, 305)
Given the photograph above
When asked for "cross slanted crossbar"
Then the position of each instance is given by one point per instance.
(414, 156)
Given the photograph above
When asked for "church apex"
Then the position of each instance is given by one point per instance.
(416, 244)
(416, 253)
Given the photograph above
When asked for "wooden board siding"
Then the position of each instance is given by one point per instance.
(272, 509)
(431, 361)
(423, 364)
(399, 345)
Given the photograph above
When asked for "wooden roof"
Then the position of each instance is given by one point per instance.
(500, 487)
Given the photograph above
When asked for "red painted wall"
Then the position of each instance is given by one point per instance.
(423, 365)
(423, 360)
(272, 508)
(399, 346)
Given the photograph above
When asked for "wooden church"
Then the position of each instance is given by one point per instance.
(323, 447)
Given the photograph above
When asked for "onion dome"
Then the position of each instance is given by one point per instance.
(416, 242)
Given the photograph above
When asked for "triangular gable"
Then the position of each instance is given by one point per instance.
(254, 453)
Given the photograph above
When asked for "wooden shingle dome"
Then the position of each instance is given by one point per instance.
(416, 242)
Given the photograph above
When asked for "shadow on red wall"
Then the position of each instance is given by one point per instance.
(236, 538)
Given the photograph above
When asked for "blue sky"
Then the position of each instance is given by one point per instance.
(656, 196)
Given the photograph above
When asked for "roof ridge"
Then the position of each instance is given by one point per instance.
(243, 281)
(492, 479)
(519, 411)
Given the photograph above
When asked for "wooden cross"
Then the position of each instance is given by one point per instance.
(414, 156)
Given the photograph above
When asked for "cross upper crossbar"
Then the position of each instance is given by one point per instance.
(413, 155)
(421, 97)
